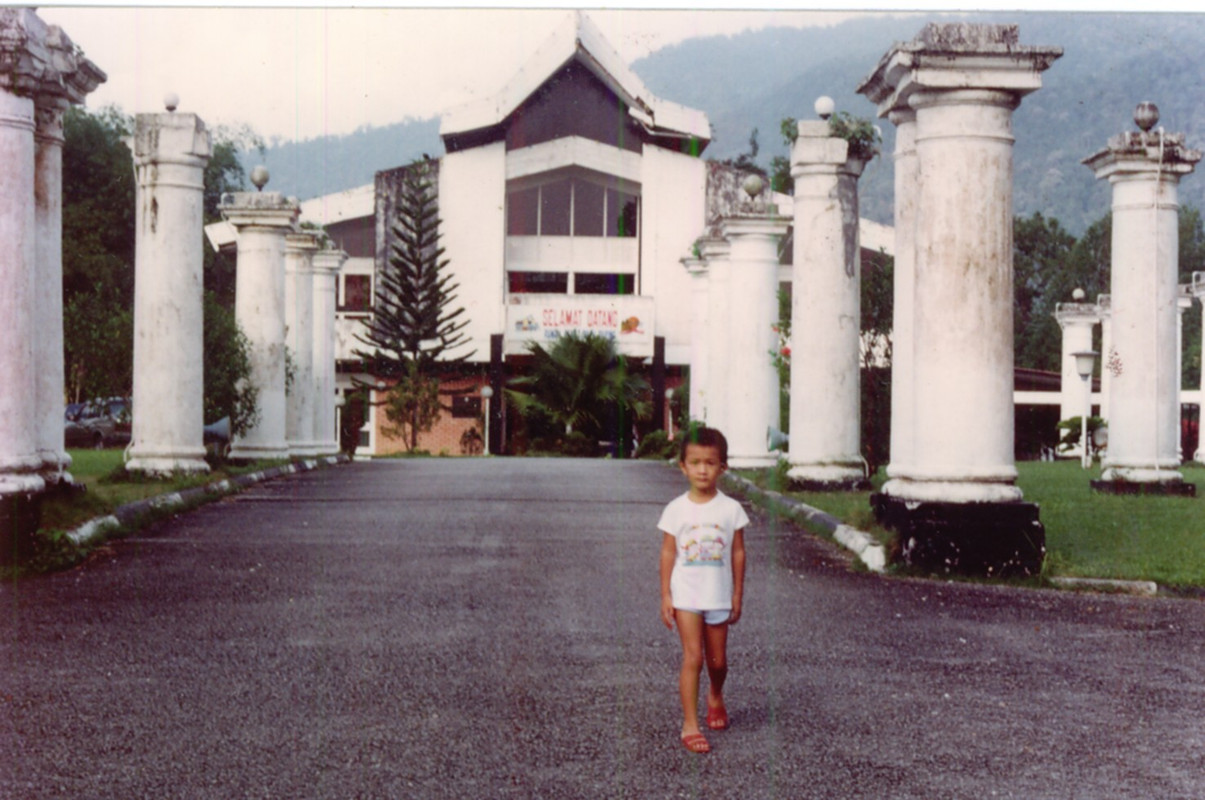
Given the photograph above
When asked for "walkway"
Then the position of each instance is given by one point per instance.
(443, 628)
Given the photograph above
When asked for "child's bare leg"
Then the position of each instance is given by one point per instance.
(715, 644)
(690, 630)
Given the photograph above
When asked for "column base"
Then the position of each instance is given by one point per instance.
(330, 448)
(165, 467)
(1178, 488)
(752, 461)
(304, 449)
(20, 515)
(982, 539)
(258, 453)
(828, 478)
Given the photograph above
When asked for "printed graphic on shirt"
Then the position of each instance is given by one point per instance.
(703, 546)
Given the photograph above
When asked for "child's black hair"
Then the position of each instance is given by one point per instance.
(705, 437)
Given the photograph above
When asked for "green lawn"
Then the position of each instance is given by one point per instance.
(1088, 535)
(93, 469)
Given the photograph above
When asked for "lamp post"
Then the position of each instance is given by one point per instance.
(1085, 362)
(486, 394)
(669, 413)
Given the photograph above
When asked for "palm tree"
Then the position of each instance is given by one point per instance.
(581, 384)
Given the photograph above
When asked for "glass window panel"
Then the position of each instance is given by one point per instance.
(588, 208)
(522, 208)
(357, 293)
(603, 283)
(621, 213)
(554, 208)
(537, 282)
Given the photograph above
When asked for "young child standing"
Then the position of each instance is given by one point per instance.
(702, 577)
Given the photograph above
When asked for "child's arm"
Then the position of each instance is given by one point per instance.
(738, 575)
(669, 554)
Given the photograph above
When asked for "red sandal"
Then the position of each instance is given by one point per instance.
(717, 718)
(696, 743)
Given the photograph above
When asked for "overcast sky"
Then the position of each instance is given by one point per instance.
(302, 72)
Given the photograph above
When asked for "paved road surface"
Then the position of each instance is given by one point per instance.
(488, 629)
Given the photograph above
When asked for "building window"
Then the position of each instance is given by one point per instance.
(603, 283)
(538, 282)
(571, 207)
(357, 293)
(466, 406)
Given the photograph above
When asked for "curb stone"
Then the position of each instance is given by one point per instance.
(1140, 588)
(860, 543)
(95, 530)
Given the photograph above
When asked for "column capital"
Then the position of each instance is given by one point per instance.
(329, 261)
(1143, 154)
(754, 225)
(714, 248)
(1198, 285)
(260, 209)
(40, 60)
(696, 266)
(173, 137)
(304, 242)
(958, 55)
(1076, 314)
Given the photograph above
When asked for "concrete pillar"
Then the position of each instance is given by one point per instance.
(699, 329)
(326, 265)
(1183, 303)
(753, 392)
(1144, 169)
(48, 287)
(956, 504)
(41, 73)
(19, 452)
(1198, 291)
(716, 253)
(1076, 320)
(262, 220)
(903, 287)
(1104, 306)
(170, 154)
(299, 337)
(826, 315)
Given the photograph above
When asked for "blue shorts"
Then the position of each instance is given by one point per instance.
(714, 616)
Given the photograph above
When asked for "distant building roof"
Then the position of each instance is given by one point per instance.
(578, 38)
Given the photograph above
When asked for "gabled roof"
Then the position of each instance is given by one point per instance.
(578, 38)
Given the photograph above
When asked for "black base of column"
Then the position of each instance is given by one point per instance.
(851, 485)
(1156, 488)
(981, 539)
(19, 517)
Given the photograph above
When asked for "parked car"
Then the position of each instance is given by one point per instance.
(98, 423)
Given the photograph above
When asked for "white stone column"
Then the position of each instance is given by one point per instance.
(170, 154)
(1076, 320)
(753, 391)
(48, 289)
(299, 335)
(1104, 305)
(326, 265)
(699, 329)
(716, 254)
(826, 314)
(1198, 291)
(19, 452)
(955, 502)
(903, 287)
(1144, 169)
(262, 220)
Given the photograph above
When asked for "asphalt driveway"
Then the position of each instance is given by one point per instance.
(488, 628)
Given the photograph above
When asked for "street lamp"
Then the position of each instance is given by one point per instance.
(1085, 362)
(486, 393)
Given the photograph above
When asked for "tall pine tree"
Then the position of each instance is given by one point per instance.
(413, 325)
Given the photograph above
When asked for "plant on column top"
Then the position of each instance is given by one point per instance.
(414, 326)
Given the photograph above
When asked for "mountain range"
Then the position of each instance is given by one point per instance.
(753, 80)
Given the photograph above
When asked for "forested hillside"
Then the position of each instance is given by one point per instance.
(753, 80)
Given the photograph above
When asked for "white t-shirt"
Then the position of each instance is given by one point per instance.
(702, 576)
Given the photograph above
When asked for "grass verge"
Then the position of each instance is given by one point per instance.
(1088, 534)
(108, 487)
